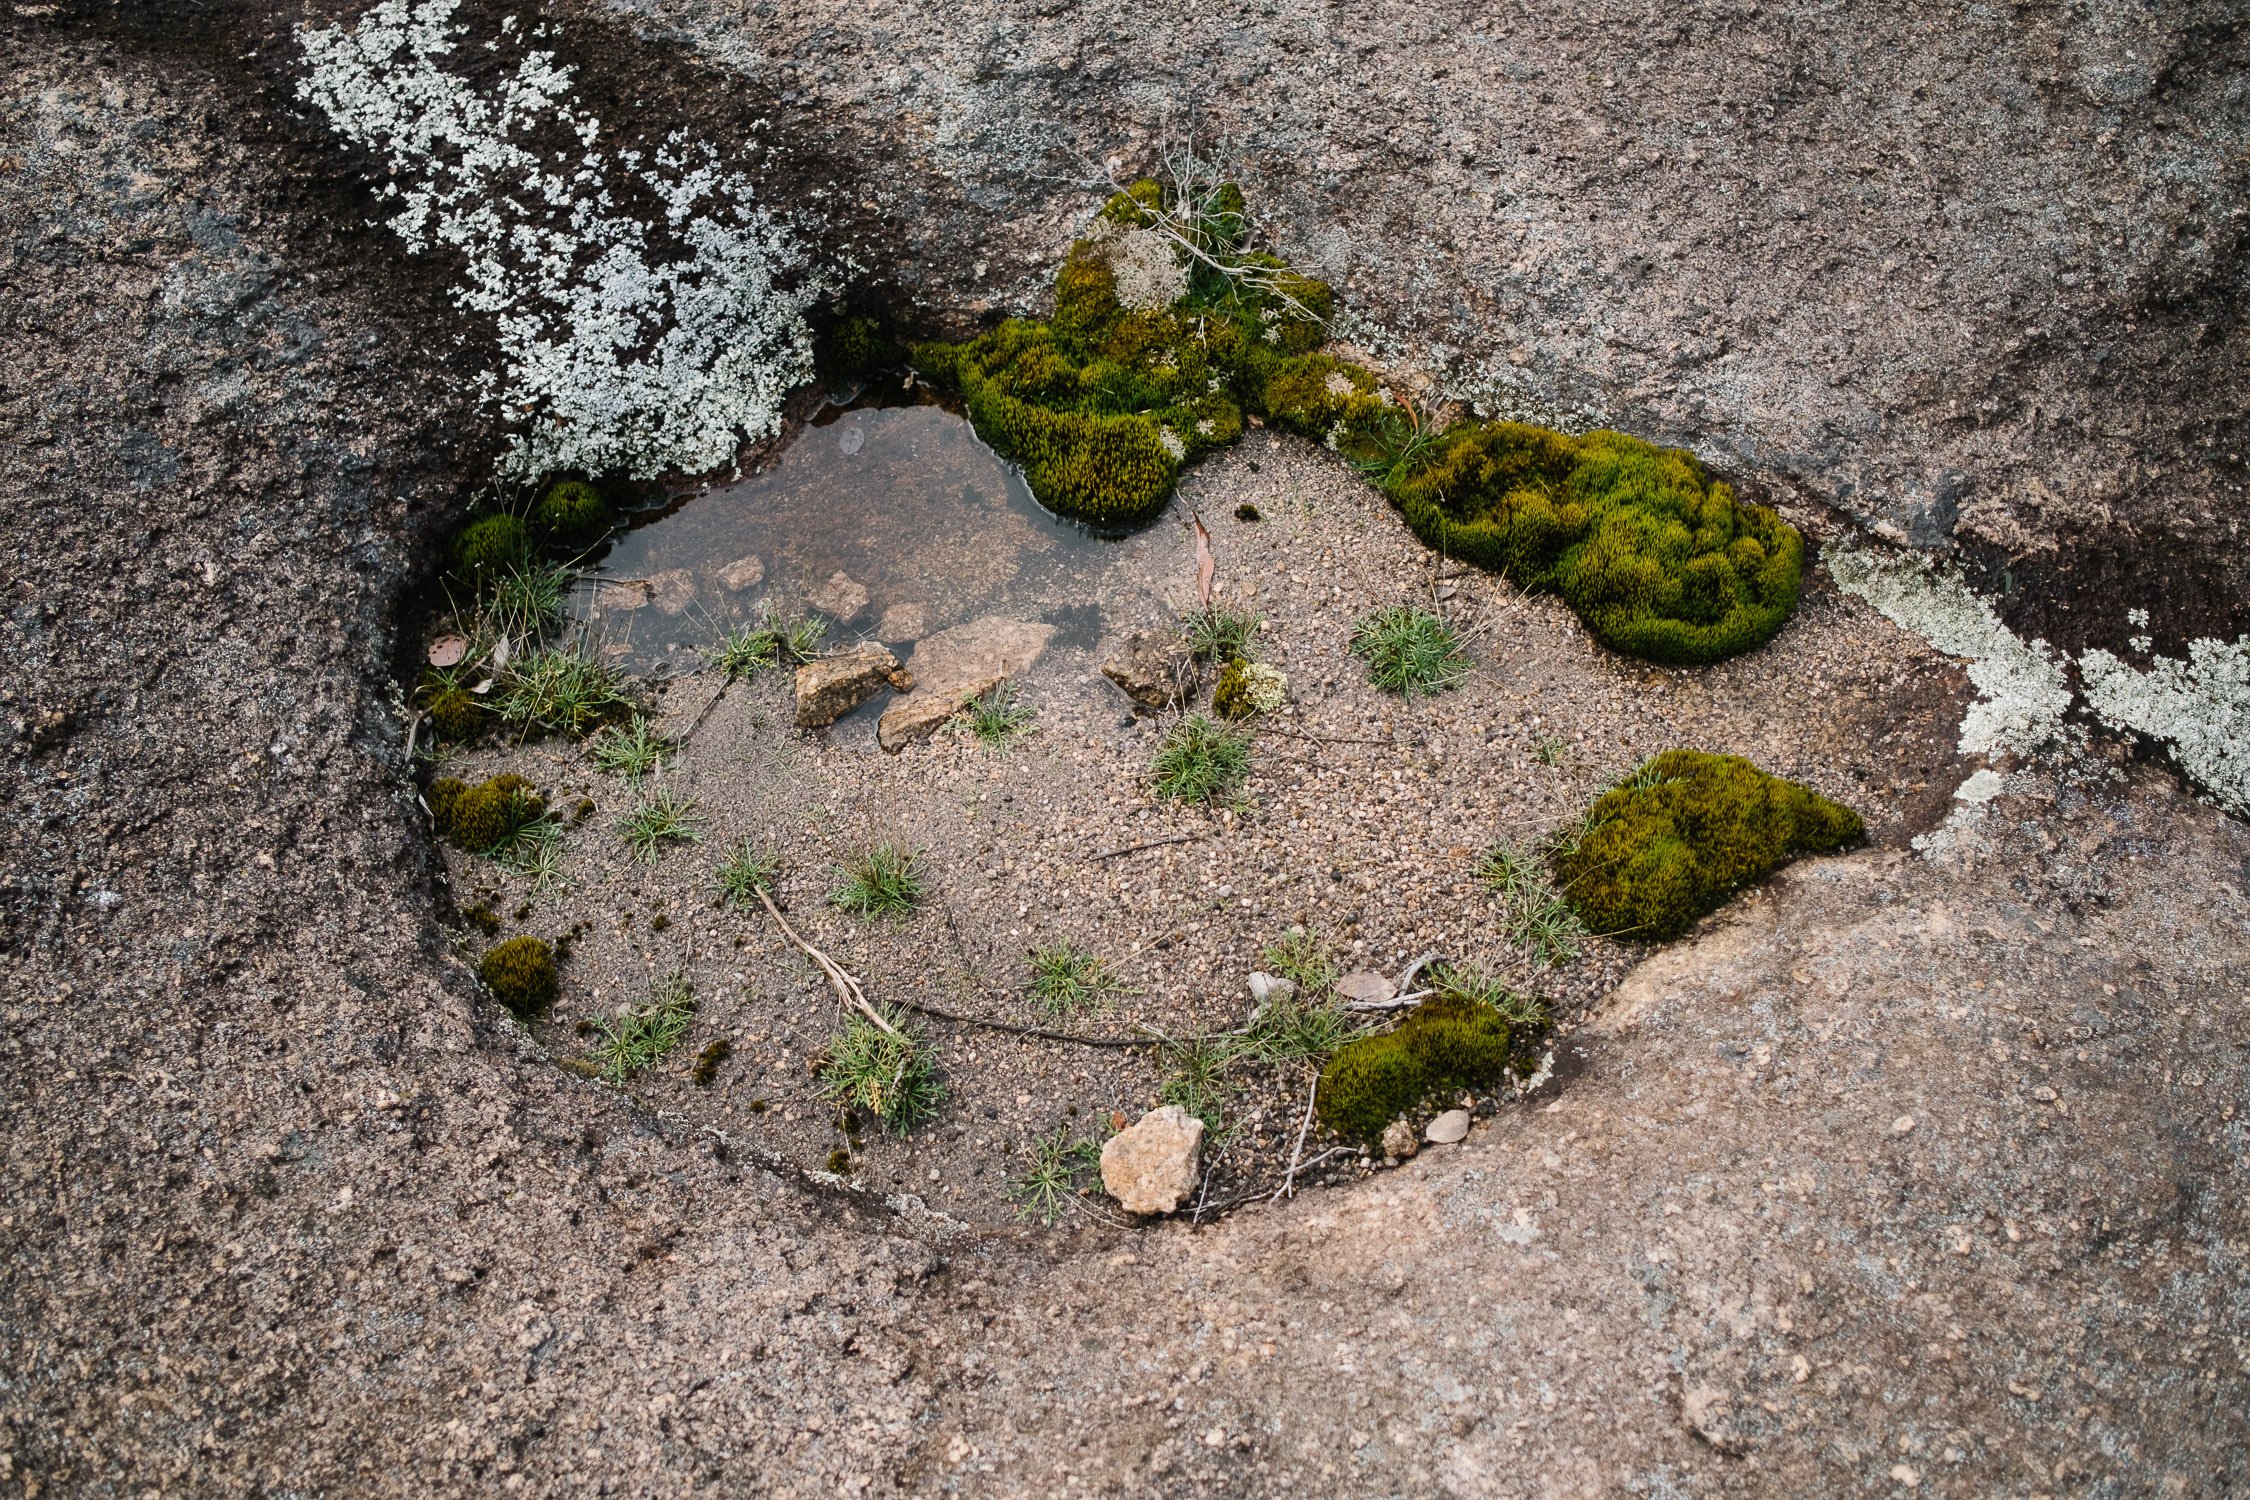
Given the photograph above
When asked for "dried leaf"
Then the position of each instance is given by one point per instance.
(448, 650)
(484, 686)
(1206, 566)
(500, 652)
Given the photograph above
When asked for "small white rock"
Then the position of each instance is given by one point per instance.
(1264, 987)
(1448, 1128)
(1902, 1124)
(1152, 1167)
(1399, 1141)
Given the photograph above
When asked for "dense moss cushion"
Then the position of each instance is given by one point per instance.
(1658, 558)
(1684, 833)
(1444, 1045)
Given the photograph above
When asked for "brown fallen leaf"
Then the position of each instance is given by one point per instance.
(448, 650)
(1206, 566)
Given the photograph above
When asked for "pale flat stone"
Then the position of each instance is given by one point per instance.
(1153, 1167)
(903, 622)
(1153, 669)
(994, 646)
(1448, 1129)
(615, 597)
(672, 591)
(1399, 1140)
(831, 686)
(742, 573)
(840, 597)
(922, 714)
(1366, 988)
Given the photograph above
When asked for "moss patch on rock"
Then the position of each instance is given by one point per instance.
(572, 512)
(1443, 1046)
(489, 546)
(520, 973)
(487, 816)
(1684, 833)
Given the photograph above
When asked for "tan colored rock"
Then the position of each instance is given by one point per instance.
(1448, 1129)
(1153, 669)
(742, 573)
(829, 687)
(618, 595)
(1364, 988)
(841, 597)
(903, 622)
(923, 714)
(1399, 1140)
(672, 591)
(994, 646)
(1154, 1166)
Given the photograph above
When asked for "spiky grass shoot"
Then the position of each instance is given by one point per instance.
(564, 689)
(751, 868)
(747, 650)
(885, 881)
(1409, 650)
(997, 718)
(638, 1039)
(890, 1074)
(1223, 633)
(630, 750)
(1475, 985)
(1201, 760)
(661, 817)
(1049, 1191)
(1070, 982)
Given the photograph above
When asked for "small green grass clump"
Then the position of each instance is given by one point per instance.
(1476, 985)
(636, 1040)
(489, 817)
(524, 599)
(1195, 1079)
(489, 546)
(1445, 1044)
(661, 817)
(1533, 914)
(892, 1074)
(1409, 650)
(747, 650)
(631, 750)
(1069, 981)
(1224, 634)
(1300, 957)
(1687, 831)
(1660, 560)
(563, 689)
(520, 973)
(750, 869)
(1248, 688)
(997, 718)
(573, 512)
(1296, 1027)
(885, 881)
(1058, 1175)
(1200, 760)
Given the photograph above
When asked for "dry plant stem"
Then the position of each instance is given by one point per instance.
(847, 988)
(1037, 1031)
(1177, 838)
(1289, 1183)
(724, 683)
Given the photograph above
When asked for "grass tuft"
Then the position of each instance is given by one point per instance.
(638, 1039)
(1301, 958)
(525, 599)
(1059, 1166)
(997, 718)
(659, 818)
(1294, 1028)
(1069, 982)
(630, 750)
(1195, 1080)
(1221, 633)
(1475, 985)
(750, 869)
(1409, 650)
(886, 881)
(748, 650)
(1201, 760)
(1533, 915)
(892, 1075)
(563, 689)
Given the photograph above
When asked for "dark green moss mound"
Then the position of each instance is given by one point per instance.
(1685, 832)
(1659, 559)
(573, 512)
(490, 545)
(456, 713)
(1444, 1045)
(1104, 403)
(485, 817)
(521, 975)
(858, 347)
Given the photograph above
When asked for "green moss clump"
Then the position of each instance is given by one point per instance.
(456, 713)
(442, 795)
(489, 546)
(573, 512)
(521, 975)
(1104, 403)
(1444, 1045)
(487, 816)
(1248, 688)
(1659, 559)
(858, 347)
(1685, 832)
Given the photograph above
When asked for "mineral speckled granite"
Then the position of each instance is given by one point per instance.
(1914, 1173)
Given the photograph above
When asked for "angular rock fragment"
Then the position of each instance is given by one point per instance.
(925, 712)
(1152, 1167)
(903, 622)
(840, 597)
(994, 646)
(1399, 1140)
(742, 573)
(831, 686)
(1153, 669)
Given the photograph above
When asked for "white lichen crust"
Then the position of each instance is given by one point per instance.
(627, 343)
(2200, 707)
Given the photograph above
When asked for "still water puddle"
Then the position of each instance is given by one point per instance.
(892, 523)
